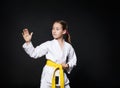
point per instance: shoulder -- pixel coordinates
(68, 45)
(48, 42)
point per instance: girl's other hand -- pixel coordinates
(65, 66)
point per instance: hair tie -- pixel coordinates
(67, 32)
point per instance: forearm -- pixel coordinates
(29, 49)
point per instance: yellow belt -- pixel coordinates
(56, 66)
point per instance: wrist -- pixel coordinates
(67, 65)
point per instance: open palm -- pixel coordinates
(26, 35)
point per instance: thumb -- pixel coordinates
(22, 34)
(31, 33)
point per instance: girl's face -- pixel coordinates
(57, 31)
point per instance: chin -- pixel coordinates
(55, 37)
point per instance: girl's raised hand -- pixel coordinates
(26, 35)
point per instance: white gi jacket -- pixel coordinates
(52, 50)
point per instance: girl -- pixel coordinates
(60, 55)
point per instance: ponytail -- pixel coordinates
(68, 38)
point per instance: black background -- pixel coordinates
(94, 29)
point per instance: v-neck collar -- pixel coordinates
(61, 48)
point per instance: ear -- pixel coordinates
(64, 31)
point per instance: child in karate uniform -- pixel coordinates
(59, 53)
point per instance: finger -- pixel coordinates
(25, 31)
(24, 35)
(31, 33)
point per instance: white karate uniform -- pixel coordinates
(52, 51)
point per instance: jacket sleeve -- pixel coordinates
(72, 59)
(37, 51)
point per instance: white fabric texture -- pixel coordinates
(52, 51)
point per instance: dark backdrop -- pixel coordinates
(93, 26)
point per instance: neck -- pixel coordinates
(60, 40)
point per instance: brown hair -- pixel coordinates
(65, 27)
